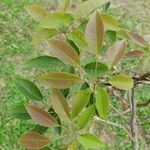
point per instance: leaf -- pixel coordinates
(90, 141)
(122, 33)
(82, 26)
(61, 80)
(39, 129)
(122, 82)
(19, 111)
(43, 34)
(41, 116)
(96, 69)
(115, 53)
(72, 146)
(78, 38)
(85, 117)
(137, 39)
(111, 35)
(106, 6)
(60, 105)
(134, 54)
(37, 12)
(56, 20)
(33, 140)
(43, 62)
(64, 52)
(28, 89)
(94, 33)
(102, 103)
(110, 23)
(86, 8)
(64, 5)
(80, 101)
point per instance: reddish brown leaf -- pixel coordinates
(134, 54)
(33, 140)
(41, 116)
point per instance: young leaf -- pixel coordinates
(33, 140)
(90, 141)
(41, 116)
(96, 69)
(102, 103)
(122, 82)
(43, 34)
(28, 88)
(78, 38)
(137, 39)
(19, 111)
(43, 62)
(134, 54)
(61, 80)
(86, 8)
(56, 20)
(94, 33)
(64, 52)
(60, 105)
(85, 117)
(36, 12)
(110, 23)
(80, 101)
(115, 53)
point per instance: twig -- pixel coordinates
(134, 128)
(114, 124)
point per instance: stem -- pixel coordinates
(134, 124)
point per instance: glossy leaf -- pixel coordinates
(43, 34)
(134, 54)
(78, 38)
(85, 117)
(37, 12)
(90, 141)
(64, 52)
(94, 33)
(110, 23)
(56, 20)
(86, 8)
(102, 103)
(96, 69)
(80, 100)
(60, 105)
(19, 111)
(28, 89)
(43, 62)
(115, 53)
(33, 140)
(41, 116)
(61, 80)
(139, 40)
(122, 82)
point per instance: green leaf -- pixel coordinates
(94, 33)
(85, 117)
(60, 105)
(111, 35)
(122, 33)
(33, 140)
(115, 53)
(86, 8)
(102, 103)
(43, 62)
(73, 146)
(41, 116)
(122, 82)
(37, 12)
(63, 51)
(43, 34)
(56, 20)
(39, 129)
(90, 141)
(61, 80)
(110, 23)
(106, 6)
(78, 38)
(19, 111)
(96, 69)
(28, 89)
(80, 101)
(83, 25)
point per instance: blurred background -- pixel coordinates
(16, 29)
